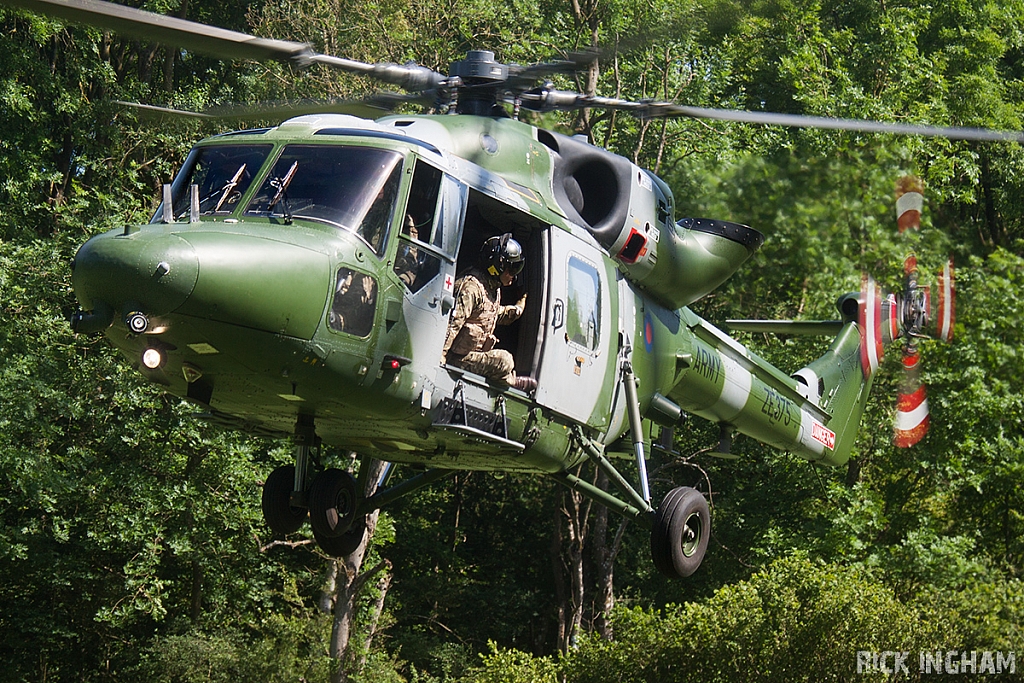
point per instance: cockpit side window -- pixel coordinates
(415, 265)
(422, 206)
(355, 301)
(351, 188)
(222, 172)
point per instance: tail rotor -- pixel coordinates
(912, 314)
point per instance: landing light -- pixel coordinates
(152, 358)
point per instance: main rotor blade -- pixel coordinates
(543, 99)
(219, 42)
(574, 61)
(159, 28)
(290, 109)
(801, 121)
(366, 109)
(152, 111)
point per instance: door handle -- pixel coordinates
(447, 302)
(558, 315)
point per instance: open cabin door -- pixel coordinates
(425, 260)
(575, 361)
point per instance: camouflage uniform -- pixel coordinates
(470, 340)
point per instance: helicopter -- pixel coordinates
(297, 282)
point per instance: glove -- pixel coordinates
(521, 304)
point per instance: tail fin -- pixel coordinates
(837, 384)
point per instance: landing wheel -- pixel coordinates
(332, 504)
(278, 512)
(682, 528)
(346, 543)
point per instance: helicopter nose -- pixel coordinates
(259, 283)
(122, 271)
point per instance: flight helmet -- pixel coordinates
(501, 253)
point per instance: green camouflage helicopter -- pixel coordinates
(298, 281)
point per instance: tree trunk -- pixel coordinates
(587, 15)
(604, 554)
(558, 575)
(170, 53)
(575, 512)
(348, 580)
(383, 584)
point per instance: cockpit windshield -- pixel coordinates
(223, 174)
(351, 188)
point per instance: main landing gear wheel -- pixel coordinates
(346, 543)
(332, 504)
(278, 512)
(682, 528)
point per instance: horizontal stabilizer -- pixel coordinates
(823, 328)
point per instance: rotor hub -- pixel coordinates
(482, 80)
(480, 68)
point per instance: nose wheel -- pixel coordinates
(682, 528)
(345, 543)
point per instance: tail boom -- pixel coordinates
(814, 414)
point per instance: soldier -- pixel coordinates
(408, 260)
(470, 340)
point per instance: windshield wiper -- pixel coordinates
(282, 187)
(230, 186)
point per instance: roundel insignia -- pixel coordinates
(648, 333)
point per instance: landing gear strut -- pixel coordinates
(284, 493)
(680, 527)
(333, 499)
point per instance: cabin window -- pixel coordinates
(351, 188)
(355, 301)
(223, 174)
(583, 310)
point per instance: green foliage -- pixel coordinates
(513, 666)
(478, 546)
(280, 652)
(796, 620)
(119, 512)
